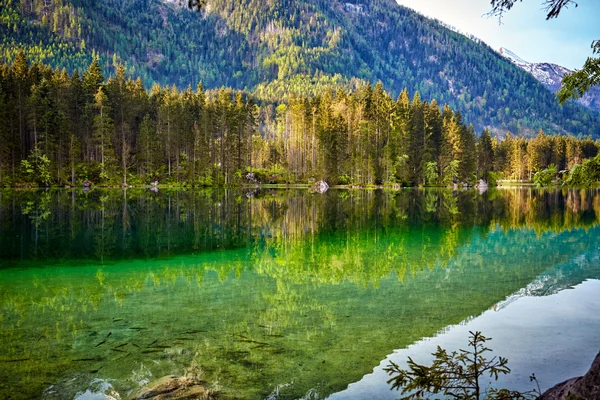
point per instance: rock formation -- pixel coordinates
(585, 387)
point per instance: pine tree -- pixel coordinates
(60, 92)
(146, 147)
(202, 135)
(20, 70)
(103, 132)
(400, 120)
(5, 138)
(92, 80)
(450, 148)
(76, 111)
(223, 125)
(417, 140)
(468, 159)
(485, 155)
(380, 110)
(122, 104)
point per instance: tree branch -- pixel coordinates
(552, 7)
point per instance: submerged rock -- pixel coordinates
(585, 387)
(171, 387)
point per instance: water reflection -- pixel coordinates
(282, 291)
(554, 336)
(115, 225)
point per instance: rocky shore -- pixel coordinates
(585, 387)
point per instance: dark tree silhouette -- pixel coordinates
(553, 7)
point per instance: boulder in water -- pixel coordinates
(482, 186)
(321, 186)
(251, 178)
(188, 387)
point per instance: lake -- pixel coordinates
(286, 294)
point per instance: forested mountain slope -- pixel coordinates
(276, 47)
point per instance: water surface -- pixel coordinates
(274, 293)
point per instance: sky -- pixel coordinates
(565, 40)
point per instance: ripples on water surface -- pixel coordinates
(284, 294)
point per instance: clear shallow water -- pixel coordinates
(281, 293)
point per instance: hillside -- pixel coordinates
(274, 48)
(551, 76)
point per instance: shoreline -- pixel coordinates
(501, 184)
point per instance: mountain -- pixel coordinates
(551, 76)
(276, 48)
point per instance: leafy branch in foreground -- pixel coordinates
(579, 82)
(455, 375)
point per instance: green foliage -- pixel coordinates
(584, 175)
(492, 178)
(578, 177)
(431, 173)
(344, 180)
(545, 177)
(451, 172)
(576, 84)
(36, 168)
(485, 154)
(592, 166)
(456, 375)
(276, 174)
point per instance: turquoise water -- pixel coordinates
(273, 294)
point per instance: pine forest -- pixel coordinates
(61, 129)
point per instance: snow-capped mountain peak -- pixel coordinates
(512, 57)
(551, 76)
